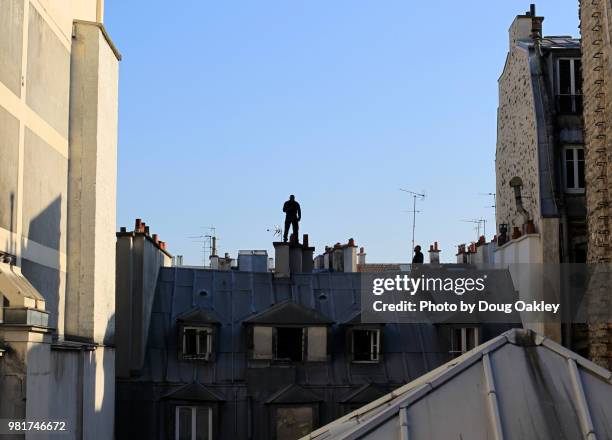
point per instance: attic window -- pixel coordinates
(193, 423)
(294, 422)
(196, 343)
(289, 344)
(464, 339)
(366, 345)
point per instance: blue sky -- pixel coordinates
(228, 107)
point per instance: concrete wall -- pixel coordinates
(92, 185)
(139, 261)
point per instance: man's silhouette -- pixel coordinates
(418, 255)
(293, 214)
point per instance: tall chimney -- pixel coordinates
(361, 256)
(434, 254)
(525, 27)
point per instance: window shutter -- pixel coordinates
(262, 342)
(317, 344)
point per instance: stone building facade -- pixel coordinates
(58, 141)
(540, 143)
(540, 182)
(595, 23)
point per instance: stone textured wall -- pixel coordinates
(516, 153)
(595, 16)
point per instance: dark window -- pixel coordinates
(569, 86)
(366, 345)
(197, 342)
(289, 344)
(574, 169)
(193, 423)
(463, 339)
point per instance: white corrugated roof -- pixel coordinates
(519, 385)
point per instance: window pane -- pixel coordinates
(189, 339)
(289, 343)
(569, 154)
(293, 423)
(565, 81)
(569, 174)
(580, 165)
(262, 342)
(362, 345)
(470, 338)
(184, 423)
(203, 342)
(202, 423)
(317, 343)
(580, 153)
(578, 76)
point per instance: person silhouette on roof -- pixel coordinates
(293, 215)
(418, 255)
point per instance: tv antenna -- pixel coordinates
(277, 231)
(494, 205)
(477, 222)
(208, 242)
(414, 211)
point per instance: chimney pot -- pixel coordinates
(123, 229)
(351, 242)
(361, 250)
(305, 240)
(155, 239)
(146, 229)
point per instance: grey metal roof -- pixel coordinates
(519, 385)
(198, 316)
(193, 392)
(288, 312)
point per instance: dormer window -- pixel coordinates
(464, 339)
(366, 345)
(288, 332)
(197, 343)
(196, 335)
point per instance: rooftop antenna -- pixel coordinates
(209, 243)
(494, 205)
(414, 211)
(477, 222)
(277, 231)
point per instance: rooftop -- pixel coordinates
(518, 385)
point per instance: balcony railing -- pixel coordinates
(569, 104)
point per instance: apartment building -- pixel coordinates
(58, 141)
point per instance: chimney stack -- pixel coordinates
(434, 254)
(361, 256)
(527, 27)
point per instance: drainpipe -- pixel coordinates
(516, 183)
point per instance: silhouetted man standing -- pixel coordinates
(293, 214)
(418, 255)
